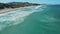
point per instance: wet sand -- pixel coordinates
(13, 9)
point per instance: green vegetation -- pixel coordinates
(16, 5)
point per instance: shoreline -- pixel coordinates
(14, 9)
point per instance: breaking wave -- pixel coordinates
(36, 20)
(15, 17)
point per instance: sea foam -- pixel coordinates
(14, 17)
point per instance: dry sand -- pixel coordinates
(13, 9)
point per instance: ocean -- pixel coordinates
(36, 20)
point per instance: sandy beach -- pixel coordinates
(13, 9)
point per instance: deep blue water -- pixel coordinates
(35, 20)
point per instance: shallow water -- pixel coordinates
(36, 20)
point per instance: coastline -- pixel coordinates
(13, 9)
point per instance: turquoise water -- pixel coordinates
(35, 20)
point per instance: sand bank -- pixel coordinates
(13, 9)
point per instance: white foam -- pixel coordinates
(13, 18)
(38, 7)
